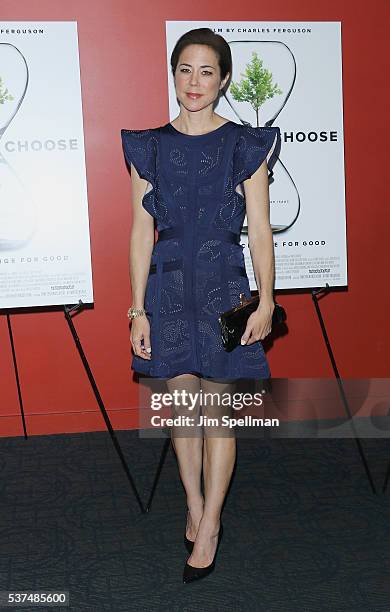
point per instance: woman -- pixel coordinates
(197, 177)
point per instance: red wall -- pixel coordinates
(122, 45)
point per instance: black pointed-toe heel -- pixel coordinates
(192, 573)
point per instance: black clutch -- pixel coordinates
(233, 322)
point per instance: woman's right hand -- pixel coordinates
(140, 330)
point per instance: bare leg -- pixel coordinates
(187, 443)
(219, 455)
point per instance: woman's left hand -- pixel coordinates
(259, 323)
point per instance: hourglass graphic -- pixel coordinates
(17, 215)
(257, 97)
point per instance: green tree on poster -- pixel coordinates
(256, 87)
(4, 95)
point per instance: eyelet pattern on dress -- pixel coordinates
(195, 189)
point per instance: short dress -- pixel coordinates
(197, 269)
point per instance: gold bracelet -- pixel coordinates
(132, 313)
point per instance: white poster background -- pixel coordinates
(307, 195)
(45, 254)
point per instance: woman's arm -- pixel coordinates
(260, 241)
(141, 247)
(141, 241)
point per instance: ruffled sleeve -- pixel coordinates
(253, 146)
(140, 149)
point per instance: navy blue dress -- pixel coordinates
(197, 268)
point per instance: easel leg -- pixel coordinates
(16, 375)
(314, 293)
(159, 468)
(99, 400)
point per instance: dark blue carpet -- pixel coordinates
(303, 531)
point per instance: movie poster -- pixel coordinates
(289, 74)
(44, 226)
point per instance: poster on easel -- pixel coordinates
(289, 75)
(45, 256)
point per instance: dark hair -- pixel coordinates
(205, 36)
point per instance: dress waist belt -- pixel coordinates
(177, 264)
(218, 233)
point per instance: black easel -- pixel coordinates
(158, 472)
(67, 310)
(315, 293)
(16, 375)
